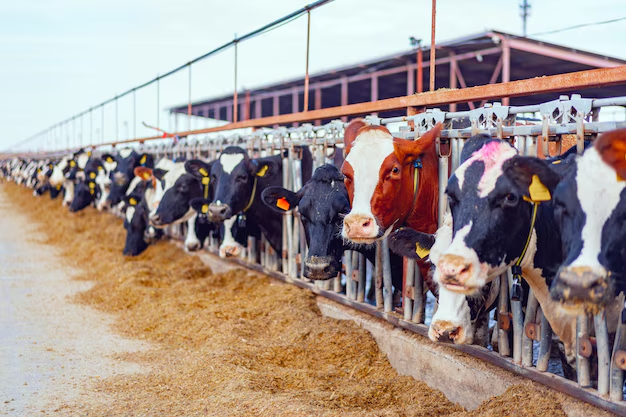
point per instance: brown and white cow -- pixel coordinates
(380, 177)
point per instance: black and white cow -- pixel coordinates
(490, 200)
(123, 173)
(238, 182)
(172, 204)
(590, 211)
(87, 190)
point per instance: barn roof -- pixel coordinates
(479, 59)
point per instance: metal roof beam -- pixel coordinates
(558, 53)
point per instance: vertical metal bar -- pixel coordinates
(356, 271)
(518, 324)
(379, 275)
(529, 319)
(362, 284)
(117, 136)
(443, 181)
(506, 66)
(409, 282)
(420, 68)
(410, 80)
(361, 277)
(545, 345)
(318, 102)
(134, 114)
(433, 45)
(387, 285)
(306, 74)
(419, 306)
(344, 95)
(347, 256)
(235, 94)
(582, 362)
(453, 77)
(604, 357)
(252, 256)
(189, 100)
(617, 374)
(503, 311)
(158, 104)
(455, 155)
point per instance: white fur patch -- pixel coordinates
(130, 212)
(230, 161)
(125, 153)
(191, 239)
(452, 308)
(493, 155)
(366, 157)
(599, 194)
(176, 171)
(229, 244)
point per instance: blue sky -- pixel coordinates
(59, 57)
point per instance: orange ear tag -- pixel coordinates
(282, 203)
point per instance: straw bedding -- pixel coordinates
(235, 343)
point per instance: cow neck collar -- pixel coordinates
(516, 288)
(417, 166)
(252, 195)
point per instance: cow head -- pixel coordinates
(489, 196)
(135, 223)
(234, 179)
(121, 176)
(174, 207)
(85, 193)
(379, 174)
(459, 317)
(322, 203)
(590, 210)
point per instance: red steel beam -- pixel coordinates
(539, 85)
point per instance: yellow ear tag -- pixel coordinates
(132, 201)
(92, 191)
(38, 169)
(203, 172)
(89, 153)
(58, 187)
(109, 159)
(205, 180)
(143, 160)
(282, 203)
(538, 192)
(421, 252)
(619, 179)
(72, 163)
(205, 208)
(558, 161)
(100, 168)
(92, 175)
(262, 171)
(92, 185)
(146, 175)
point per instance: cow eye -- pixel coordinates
(510, 199)
(395, 170)
(242, 178)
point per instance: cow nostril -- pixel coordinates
(367, 223)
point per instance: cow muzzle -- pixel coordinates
(360, 228)
(457, 274)
(231, 250)
(319, 268)
(219, 212)
(156, 221)
(447, 331)
(582, 286)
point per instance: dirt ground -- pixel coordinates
(223, 344)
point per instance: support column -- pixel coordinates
(318, 101)
(410, 81)
(294, 104)
(344, 95)
(453, 78)
(275, 106)
(374, 89)
(506, 66)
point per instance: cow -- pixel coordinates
(590, 212)
(126, 161)
(103, 180)
(494, 195)
(172, 204)
(238, 182)
(87, 190)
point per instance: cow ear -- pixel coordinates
(146, 160)
(200, 205)
(280, 199)
(351, 132)
(533, 177)
(612, 148)
(261, 167)
(198, 168)
(411, 243)
(143, 173)
(159, 173)
(408, 151)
